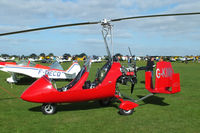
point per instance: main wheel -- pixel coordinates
(105, 102)
(48, 108)
(126, 112)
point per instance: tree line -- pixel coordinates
(33, 55)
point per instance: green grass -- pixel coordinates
(161, 113)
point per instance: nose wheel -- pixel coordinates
(48, 108)
(126, 107)
(126, 112)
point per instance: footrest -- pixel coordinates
(127, 105)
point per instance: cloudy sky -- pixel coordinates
(151, 36)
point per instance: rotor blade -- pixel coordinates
(88, 23)
(48, 27)
(159, 15)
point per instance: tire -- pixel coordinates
(105, 102)
(48, 108)
(125, 112)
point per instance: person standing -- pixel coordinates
(150, 66)
(161, 59)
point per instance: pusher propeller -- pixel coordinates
(133, 79)
(132, 87)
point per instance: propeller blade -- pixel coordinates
(49, 27)
(132, 87)
(130, 52)
(153, 16)
(134, 63)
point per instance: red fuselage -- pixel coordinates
(42, 90)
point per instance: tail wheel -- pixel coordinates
(126, 112)
(48, 108)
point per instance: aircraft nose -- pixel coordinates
(39, 91)
(33, 94)
(26, 95)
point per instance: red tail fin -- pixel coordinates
(165, 79)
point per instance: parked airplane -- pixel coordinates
(61, 60)
(28, 68)
(98, 59)
(7, 59)
(33, 59)
(172, 59)
(2, 59)
(183, 59)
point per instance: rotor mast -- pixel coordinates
(107, 34)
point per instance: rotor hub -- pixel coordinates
(105, 22)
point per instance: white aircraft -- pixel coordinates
(172, 59)
(98, 59)
(181, 59)
(28, 68)
(190, 58)
(2, 59)
(33, 59)
(60, 60)
(138, 58)
(7, 59)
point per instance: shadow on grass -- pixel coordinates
(154, 100)
(142, 82)
(28, 80)
(25, 81)
(75, 106)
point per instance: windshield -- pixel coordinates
(25, 63)
(88, 64)
(78, 77)
(101, 74)
(22, 62)
(56, 65)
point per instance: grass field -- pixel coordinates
(160, 113)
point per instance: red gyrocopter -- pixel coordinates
(103, 88)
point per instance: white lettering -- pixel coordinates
(158, 73)
(58, 74)
(165, 73)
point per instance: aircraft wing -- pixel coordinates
(35, 72)
(1, 67)
(32, 72)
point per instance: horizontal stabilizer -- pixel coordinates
(70, 76)
(176, 83)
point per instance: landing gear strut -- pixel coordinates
(105, 102)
